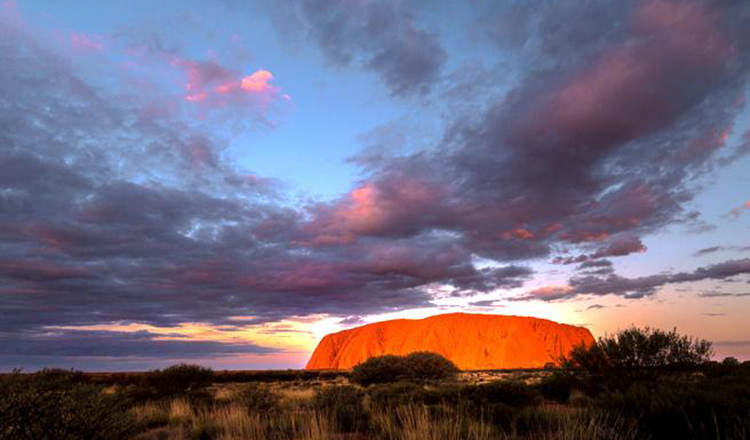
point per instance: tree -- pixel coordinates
(638, 354)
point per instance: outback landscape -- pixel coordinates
(637, 384)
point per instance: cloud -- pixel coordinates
(590, 154)
(737, 343)
(485, 303)
(634, 288)
(714, 249)
(352, 320)
(617, 247)
(718, 294)
(378, 35)
(82, 343)
(220, 91)
(738, 211)
(117, 207)
(621, 247)
(110, 349)
(595, 264)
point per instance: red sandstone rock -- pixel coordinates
(471, 341)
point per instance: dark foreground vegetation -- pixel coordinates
(637, 384)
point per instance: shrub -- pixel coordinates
(416, 367)
(258, 398)
(344, 403)
(55, 405)
(177, 379)
(635, 354)
(380, 369)
(426, 366)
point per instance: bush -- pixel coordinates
(177, 379)
(416, 367)
(344, 403)
(682, 407)
(56, 405)
(380, 369)
(426, 366)
(258, 398)
(635, 354)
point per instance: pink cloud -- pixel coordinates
(617, 99)
(393, 206)
(738, 211)
(520, 233)
(210, 85)
(548, 293)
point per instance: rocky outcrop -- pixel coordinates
(471, 341)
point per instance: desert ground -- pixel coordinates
(189, 402)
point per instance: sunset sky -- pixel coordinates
(225, 182)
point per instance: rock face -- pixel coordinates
(471, 341)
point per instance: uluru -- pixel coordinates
(471, 341)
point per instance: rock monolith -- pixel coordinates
(471, 341)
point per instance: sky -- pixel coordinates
(226, 182)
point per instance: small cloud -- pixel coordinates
(738, 211)
(713, 249)
(548, 293)
(485, 303)
(740, 343)
(718, 294)
(352, 320)
(708, 250)
(596, 307)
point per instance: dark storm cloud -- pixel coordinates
(379, 35)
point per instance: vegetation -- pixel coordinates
(416, 367)
(58, 405)
(638, 384)
(344, 405)
(178, 379)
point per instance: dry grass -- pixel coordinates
(230, 422)
(414, 422)
(179, 420)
